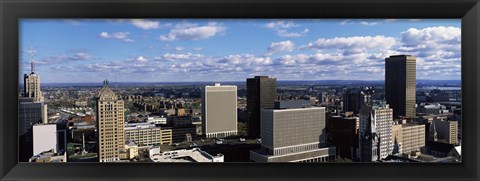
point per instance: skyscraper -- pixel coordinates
(31, 110)
(400, 79)
(32, 85)
(110, 124)
(375, 132)
(219, 111)
(261, 94)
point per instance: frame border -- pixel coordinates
(12, 11)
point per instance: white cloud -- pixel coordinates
(179, 56)
(355, 44)
(145, 24)
(280, 47)
(179, 48)
(122, 36)
(283, 29)
(141, 59)
(285, 33)
(280, 25)
(187, 31)
(366, 23)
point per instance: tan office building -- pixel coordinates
(148, 135)
(110, 124)
(447, 131)
(219, 111)
(32, 85)
(408, 137)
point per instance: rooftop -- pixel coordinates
(193, 155)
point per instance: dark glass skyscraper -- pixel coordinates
(353, 100)
(400, 79)
(261, 94)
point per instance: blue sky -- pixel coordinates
(173, 50)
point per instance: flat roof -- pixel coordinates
(193, 155)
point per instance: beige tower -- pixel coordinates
(32, 85)
(110, 124)
(219, 111)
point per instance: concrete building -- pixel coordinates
(447, 131)
(192, 155)
(49, 156)
(407, 138)
(400, 82)
(44, 138)
(130, 151)
(145, 134)
(293, 135)
(219, 111)
(375, 132)
(110, 124)
(261, 94)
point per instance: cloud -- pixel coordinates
(280, 47)
(364, 22)
(283, 29)
(281, 25)
(355, 44)
(179, 56)
(145, 24)
(122, 36)
(285, 33)
(141, 59)
(187, 31)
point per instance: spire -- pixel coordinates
(105, 83)
(32, 66)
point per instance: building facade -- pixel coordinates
(400, 84)
(343, 134)
(293, 135)
(353, 100)
(261, 94)
(148, 135)
(110, 124)
(44, 138)
(375, 132)
(219, 111)
(408, 137)
(447, 131)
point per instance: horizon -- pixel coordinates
(223, 50)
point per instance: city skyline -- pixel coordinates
(169, 50)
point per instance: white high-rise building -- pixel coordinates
(44, 138)
(375, 132)
(219, 111)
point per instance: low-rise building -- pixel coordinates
(146, 134)
(49, 156)
(192, 155)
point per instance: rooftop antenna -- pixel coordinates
(31, 51)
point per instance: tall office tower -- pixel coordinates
(293, 135)
(261, 94)
(353, 100)
(44, 138)
(375, 132)
(219, 111)
(31, 110)
(32, 85)
(400, 78)
(110, 124)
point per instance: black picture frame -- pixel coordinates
(466, 10)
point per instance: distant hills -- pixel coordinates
(420, 82)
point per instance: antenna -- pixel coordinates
(32, 52)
